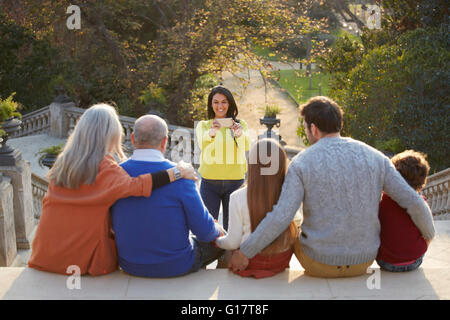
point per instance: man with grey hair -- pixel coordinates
(149, 132)
(153, 234)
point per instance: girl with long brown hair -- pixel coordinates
(249, 205)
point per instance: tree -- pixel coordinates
(123, 47)
(393, 85)
(28, 65)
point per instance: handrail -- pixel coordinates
(35, 122)
(438, 194)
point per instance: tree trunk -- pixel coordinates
(308, 58)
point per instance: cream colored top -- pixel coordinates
(239, 227)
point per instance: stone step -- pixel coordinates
(430, 281)
(423, 283)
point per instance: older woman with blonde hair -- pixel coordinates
(85, 181)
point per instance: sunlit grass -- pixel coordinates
(297, 84)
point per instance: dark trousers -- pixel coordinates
(215, 192)
(205, 253)
(393, 268)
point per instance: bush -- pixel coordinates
(272, 110)
(8, 108)
(27, 65)
(398, 90)
(423, 112)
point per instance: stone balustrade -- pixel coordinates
(39, 187)
(177, 149)
(438, 194)
(73, 114)
(59, 119)
(35, 122)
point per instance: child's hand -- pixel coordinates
(427, 241)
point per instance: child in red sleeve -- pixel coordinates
(402, 246)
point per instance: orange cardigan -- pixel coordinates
(74, 228)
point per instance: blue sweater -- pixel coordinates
(152, 234)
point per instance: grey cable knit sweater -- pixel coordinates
(339, 180)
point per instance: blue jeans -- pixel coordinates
(214, 192)
(393, 268)
(205, 253)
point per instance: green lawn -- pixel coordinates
(268, 53)
(296, 82)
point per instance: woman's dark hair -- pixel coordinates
(324, 113)
(232, 107)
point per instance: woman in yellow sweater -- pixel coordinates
(223, 140)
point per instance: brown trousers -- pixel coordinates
(316, 269)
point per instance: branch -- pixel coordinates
(163, 14)
(96, 20)
(342, 7)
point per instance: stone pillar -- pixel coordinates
(59, 123)
(8, 249)
(20, 176)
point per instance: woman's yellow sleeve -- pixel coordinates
(202, 133)
(244, 139)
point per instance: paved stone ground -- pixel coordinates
(430, 281)
(30, 145)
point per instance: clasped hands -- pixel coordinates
(238, 261)
(235, 127)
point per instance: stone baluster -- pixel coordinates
(20, 175)
(36, 124)
(39, 188)
(128, 132)
(437, 193)
(447, 205)
(439, 199)
(8, 248)
(435, 198)
(72, 120)
(30, 126)
(41, 122)
(128, 147)
(25, 127)
(426, 192)
(71, 123)
(444, 199)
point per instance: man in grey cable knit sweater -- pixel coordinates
(339, 181)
